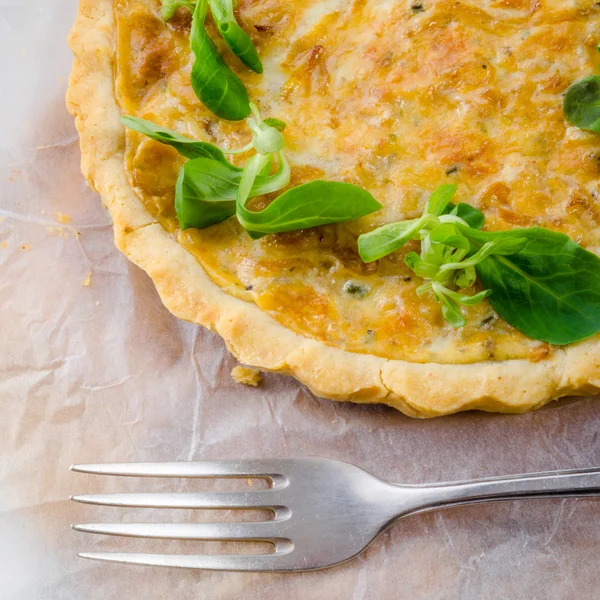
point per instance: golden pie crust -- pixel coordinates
(280, 304)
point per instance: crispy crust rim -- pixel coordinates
(418, 390)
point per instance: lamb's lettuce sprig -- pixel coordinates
(539, 281)
(447, 260)
(210, 189)
(215, 84)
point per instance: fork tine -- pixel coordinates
(241, 562)
(206, 500)
(215, 468)
(264, 531)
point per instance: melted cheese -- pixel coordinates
(397, 100)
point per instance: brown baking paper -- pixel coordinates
(94, 369)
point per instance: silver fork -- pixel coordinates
(325, 511)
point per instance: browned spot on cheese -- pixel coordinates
(302, 307)
(495, 195)
(583, 204)
(310, 75)
(152, 51)
(540, 352)
(182, 21)
(530, 5)
(155, 167)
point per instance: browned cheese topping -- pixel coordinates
(428, 93)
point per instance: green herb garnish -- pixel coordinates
(308, 205)
(183, 145)
(237, 39)
(582, 104)
(170, 7)
(210, 189)
(358, 290)
(539, 281)
(549, 289)
(280, 125)
(447, 261)
(215, 84)
(471, 215)
(205, 193)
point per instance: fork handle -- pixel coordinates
(558, 484)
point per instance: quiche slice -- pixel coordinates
(397, 98)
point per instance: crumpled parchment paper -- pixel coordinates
(93, 368)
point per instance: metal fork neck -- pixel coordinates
(565, 484)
